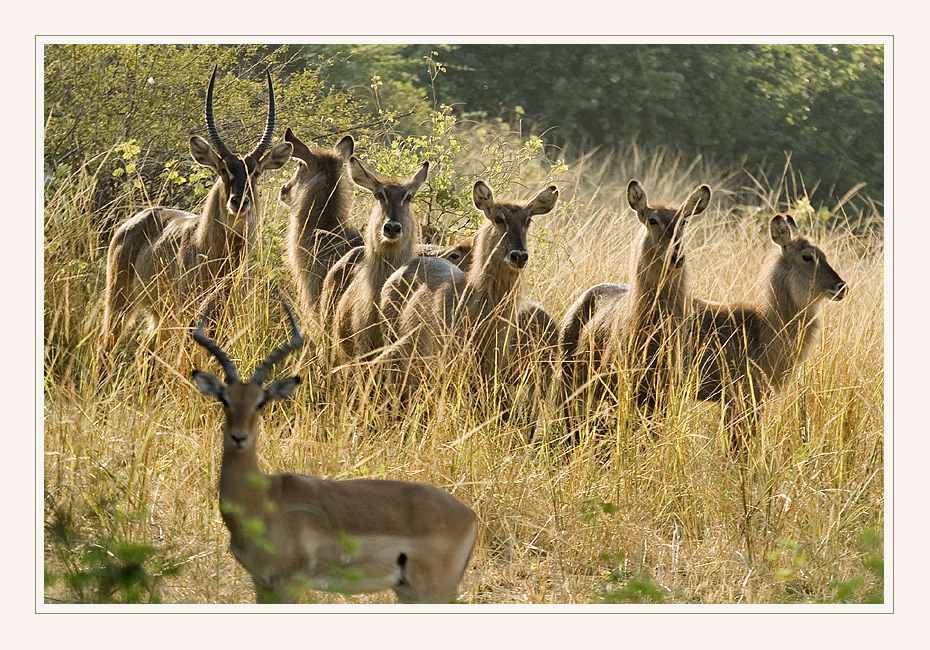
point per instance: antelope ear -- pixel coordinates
(301, 151)
(276, 158)
(417, 181)
(362, 176)
(783, 230)
(208, 384)
(203, 153)
(483, 197)
(281, 388)
(345, 148)
(636, 195)
(696, 203)
(544, 201)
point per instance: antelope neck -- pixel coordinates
(216, 219)
(237, 485)
(489, 280)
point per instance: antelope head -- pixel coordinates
(239, 174)
(243, 400)
(664, 225)
(395, 220)
(460, 253)
(510, 221)
(311, 164)
(802, 268)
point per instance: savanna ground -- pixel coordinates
(653, 513)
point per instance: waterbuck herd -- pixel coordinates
(386, 303)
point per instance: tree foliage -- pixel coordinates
(127, 111)
(821, 104)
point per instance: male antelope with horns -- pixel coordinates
(294, 532)
(168, 263)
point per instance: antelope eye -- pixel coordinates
(454, 256)
(807, 257)
(653, 221)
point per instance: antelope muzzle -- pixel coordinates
(517, 258)
(392, 231)
(839, 291)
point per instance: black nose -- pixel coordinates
(392, 230)
(519, 258)
(839, 292)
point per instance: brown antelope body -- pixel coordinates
(742, 353)
(535, 326)
(319, 197)
(167, 263)
(534, 337)
(636, 329)
(430, 304)
(294, 532)
(352, 287)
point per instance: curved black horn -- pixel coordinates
(261, 373)
(211, 346)
(212, 134)
(265, 142)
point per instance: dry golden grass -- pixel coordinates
(647, 512)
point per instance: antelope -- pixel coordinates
(430, 299)
(162, 261)
(293, 532)
(319, 197)
(459, 253)
(352, 287)
(635, 328)
(742, 353)
(534, 339)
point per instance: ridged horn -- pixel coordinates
(261, 373)
(218, 145)
(265, 142)
(213, 348)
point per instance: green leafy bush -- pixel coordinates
(104, 566)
